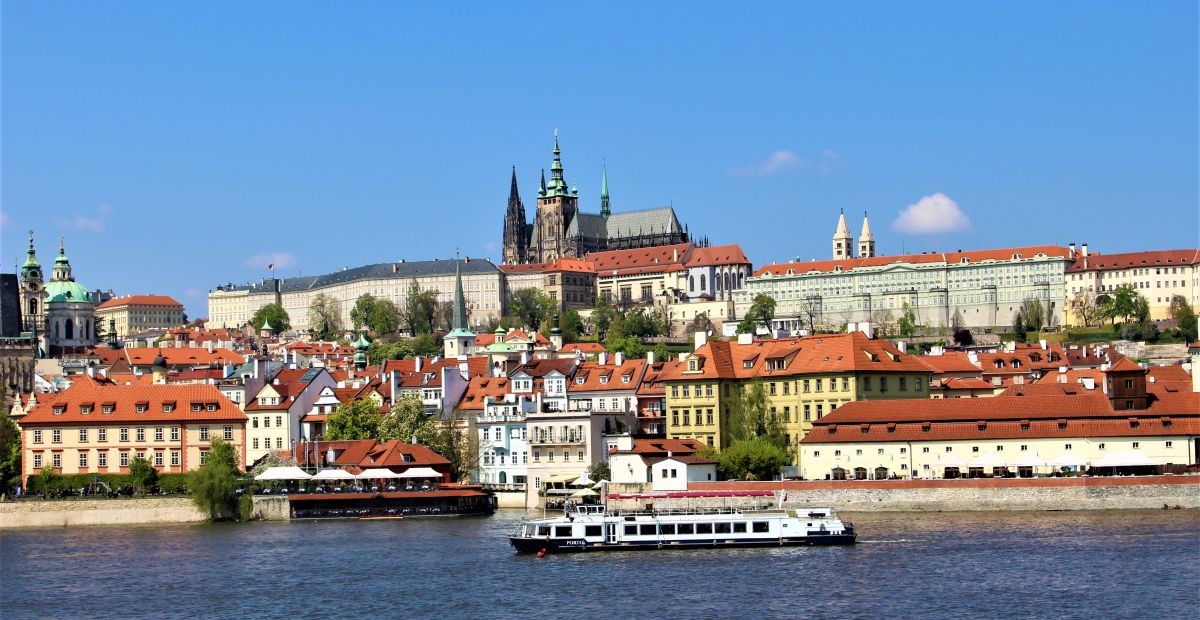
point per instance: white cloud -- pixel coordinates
(775, 163)
(92, 224)
(931, 215)
(281, 260)
(830, 161)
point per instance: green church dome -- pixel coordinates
(66, 291)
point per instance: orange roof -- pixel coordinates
(660, 447)
(950, 361)
(574, 265)
(184, 356)
(835, 353)
(959, 383)
(1126, 365)
(139, 300)
(594, 377)
(975, 256)
(125, 399)
(481, 388)
(369, 453)
(663, 258)
(524, 268)
(717, 255)
(1163, 379)
(587, 348)
(1130, 260)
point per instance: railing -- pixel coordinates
(504, 486)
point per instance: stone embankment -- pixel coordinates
(62, 513)
(986, 494)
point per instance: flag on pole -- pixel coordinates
(271, 266)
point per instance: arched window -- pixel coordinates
(691, 283)
(503, 477)
(703, 282)
(33, 306)
(726, 280)
(70, 330)
(717, 282)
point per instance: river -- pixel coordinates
(1123, 564)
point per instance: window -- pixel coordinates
(687, 528)
(879, 451)
(174, 433)
(708, 390)
(168, 407)
(1067, 447)
(820, 383)
(203, 434)
(278, 442)
(203, 456)
(674, 391)
(124, 460)
(56, 460)
(580, 455)
(37, 436)
(591, 530)
(631, 529)
(974, 448)
(845, 384)
(56, 436)
(903, 384)
(254, 443)
(1024, 448)
(1136, 445)
(37, 460)
(102, 459)
(266, 421)
(761, 527)
(83, 435)
(837, 452)
(141, 434)
(1170, 444)
(83, 460)
(704, 528)
(807, 413)
(709, 417)
(902, 451)
(949, 449)
(158, 458)
(858, 452)
(227, 433)
(279, 421)
(806, 385)
(925, 450)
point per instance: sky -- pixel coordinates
(178, 146)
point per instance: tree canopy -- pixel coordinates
(760, 313)
(757, 458)
(907, 324)
(213, 487)
(10, 448)
(324, 316)
(1185, 318)
(357, 419)
(571, 325)
(273, 314)
(408, 420)
(378, 315)
(531, 307)
(142, 474)
(1120, 304)
(602, 317)
(420, 308)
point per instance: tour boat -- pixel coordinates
(592, 528)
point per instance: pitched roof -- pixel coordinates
(607, 377)
(950, 361)
(948, 258)
(587, 348)
(139, 300)
(403, 270)
(481, 388)
(660, 447)
(1130, 260)
(182, 356)
(643, 221)
(717, 255)
(573, 265)
(543, 367)
(124, 400)
(659, 259)
(368, 453)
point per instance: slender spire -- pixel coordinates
(460, 303)
(557, 185)
(542, 185)
(843, 242)
(842, 229)
(605, 209)
(513, 194)
(866, 229)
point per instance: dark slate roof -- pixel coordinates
(589, 225)
(398, 271)
(646, 221)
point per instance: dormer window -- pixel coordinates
(59, 409)
(211, 406)
(106, 409)
(604, 380)
(197, 407)
(691, 364)
(168, 407)
(141, 408)
(85, 409)
(578, 380)
(748, 364)
(625, 378)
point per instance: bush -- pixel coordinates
(52, 484)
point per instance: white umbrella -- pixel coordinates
(1130, 458)
(283, 473)
(1028, 459)
(333, 474)
(584, 493)
(950, 460)
(582, 481)
(988, 461)
(377, 473)
(1068, 459)
(419, 472)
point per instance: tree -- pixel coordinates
(882, 318)
(443, 315)
(142, 474)
(425, 345)
(419, 308)
(531, 306)
(408, 420)
(699, 323)
(213, 487)
(811, 307)
(631, 347)
(10, 450)
(360, 314)
(324, 316)
(599, 471)
(571, 325)
(1031, 317)
(398, 350)
(749, 416)
(602, 317)
(357, 419)
(385, 317)
(908, 321)
(273, 314)
(1084, 307)
(757, 458)
(641, 324)
(1185, 318)
(1122, 304)
(661, 352)
(272, 459)
(760, 313)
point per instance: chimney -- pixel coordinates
(650, 358)
(745, 339)
(675, 254)
(903, 346)
(1019, 380)
(620, 358)
(1071, 250)
(210, 346)
(1042, 342)
(1062, 377)
(701, 339)
(463, 368)
(525, 357)
(418, 362)
(1084, 252)
(602, 359)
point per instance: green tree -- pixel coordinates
(408, 420)
(760, 313)
(630, 346)
(638, 322)
(750, 415)
(142, 474)
(273, 314)
(908, 322)
(602, 317)
(357, 419)
(360, 314)
(324, 317)
(213, 487)
(10, 449)
(531, 306)
(599, 471)
(571, 325)
(425, 345)
(1031, 317)
(419, 309)
(757, 458)
(384, 318)
(1120, 304)
(398, 350)
(662, 353)
(1185, 318)
(47, 481)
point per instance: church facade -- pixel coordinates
(60, 313)
(561, 230)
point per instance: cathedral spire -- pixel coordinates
(516, 230)
(542, 185)
(513, 194)
(558, 184)
(866, 241)
(843, 242)
(32, 270)
(605, 209)
(62, 265)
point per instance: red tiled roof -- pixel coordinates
(542, 367)
(969, 383)
(481, 388)
(573, 265)
(951, 361)
(139, 300)
(975, 256)
(587, 348)
(659, 259)
(124, 400)
(1162, 379)
(1126, 365)
(524, 268)
(182, 356)
(598, 378)
(1130, 260)
(717, 255)
(660, 447)
(368, 453)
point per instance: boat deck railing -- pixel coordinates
(724, 510)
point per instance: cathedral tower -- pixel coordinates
(605, 208)
(556, 207)
(33, 292)
(866, 241)
(843, 243)
(516, 230)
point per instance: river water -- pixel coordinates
(1120, 564)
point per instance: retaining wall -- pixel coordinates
(950, 495)
(61, 513)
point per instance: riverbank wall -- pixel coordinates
(984, 494)
(68, 512)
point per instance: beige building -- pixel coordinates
(235, 305)
(1157, 275)
(92, 427)
(644, 276)
(136, 313)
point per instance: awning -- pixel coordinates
(283, 473)
(1028, 459)
(581, 481)
(1131, 458)
(333, 474)
(419, 472)
(585, 493)
(560, 478)
(950, 460)
(377, 473)
(988, 461)
(1068, 459)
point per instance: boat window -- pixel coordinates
(667, 529)
(630, 529)
(739, 528)
(591, 530)
(761, 527)
(722, 528)
(647, 529)
(562, 531)
(543, 530)
(686, 528)
(704, 528)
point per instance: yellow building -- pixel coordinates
(137, 313)
(1158, 276)
(94, 427)
(803, 379)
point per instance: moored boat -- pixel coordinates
(592, 528)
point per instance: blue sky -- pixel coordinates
(178, 146)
